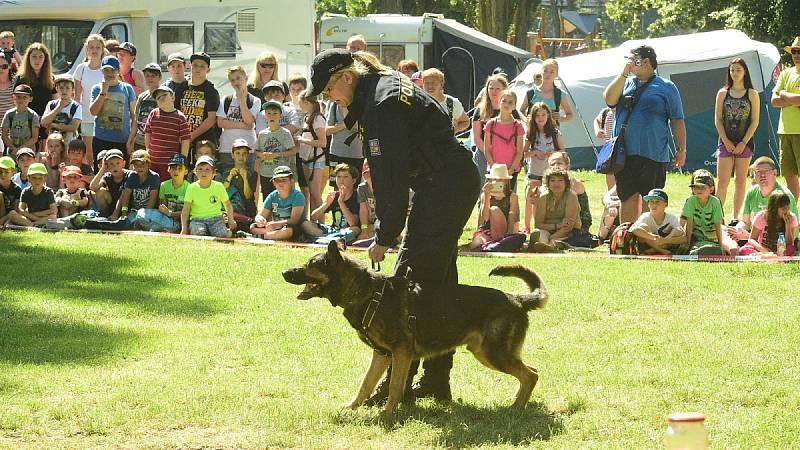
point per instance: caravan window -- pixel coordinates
(116, 31)
(221, 40)
(389, 54)
(175, 37)
(64, 38)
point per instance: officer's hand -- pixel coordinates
(377, 252)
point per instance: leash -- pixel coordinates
(369, 314)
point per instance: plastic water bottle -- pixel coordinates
(686, 431)
(781, 244)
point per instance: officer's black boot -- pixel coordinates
(435, 381)
(382, 391)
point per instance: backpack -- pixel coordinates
(450, 105)
(13, 113)
(73, 108)
(229, 99)
(556, 97)
(511, 140)
(623, 242)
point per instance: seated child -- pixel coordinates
(366, 207)
(557, 214)
(202, 206)
(37, 203)
(702, 213)
(71, 198)
(140, 190)
(171, 194)
(205, 148)
(76, 152)
(241, 182)
(543, 138)
(657, 231)
(561, 160)
(54, 156)
(498, 213)
(284, 209)
(274, 147)
(25, 157)
(343, 206)
(10, 191)
(770, 224)
(107, 183)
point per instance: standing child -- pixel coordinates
(9, 191)
(543, 139)
(63, 114)
(37, 202)
(146, 102)
(20, 127)
(284, 209)
(140, 190)
(166, 132)
(498, 213)
(297, 84)
(76, 155)
(176, 66)
(703, 215)
(504, 136)
(275, 146)
(774, 229)
(236, 117)
(343, 206)
(311, 153)
(87, 74)
(72, 197)
(241, 183)
(54, 156)
(657, 231)
(171, 195)
(202, 207)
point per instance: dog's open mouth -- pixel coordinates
(310, 290)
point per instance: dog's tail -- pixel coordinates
(537, 298)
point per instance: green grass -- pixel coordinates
(143, 342)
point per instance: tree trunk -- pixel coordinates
(522, 21)
(387, 6)
(494, 17)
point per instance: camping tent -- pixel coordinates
(696, 63)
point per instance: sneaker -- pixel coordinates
(78, 221)
(242, 234)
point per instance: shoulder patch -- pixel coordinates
(374, 147)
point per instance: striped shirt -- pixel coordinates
(167, 130)
(6, 100)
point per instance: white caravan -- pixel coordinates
(230, 31)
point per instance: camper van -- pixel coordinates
(465, 55)
(230, 31)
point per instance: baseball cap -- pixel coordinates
(110, 61)
(64, 77)
(702, 177)
(365, 167)
(282, 172)
(645, 51)
(324, 65)
(272, 104)
(6, 162)
(23, 89)
(176, 57)
(25, 151)
(37, 169)
(205, 159)
(271, 85)
(178, 160)
(162, 88)
(71, 171)
(113, 153)
(128, 47)
(656, 194)
(140, 155)
(152, 67)
(202, 55)
(240, 143)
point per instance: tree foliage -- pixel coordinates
(775, 21)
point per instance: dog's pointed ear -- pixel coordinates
(333, 250)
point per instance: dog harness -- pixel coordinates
(369, 314)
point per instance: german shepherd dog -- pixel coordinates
(403, 320)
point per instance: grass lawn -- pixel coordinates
(144, 342)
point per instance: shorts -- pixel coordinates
(87, 129)
(536, 168)
(333, 160)
(212, 226)
(790, 154)
(639, 175)
(723, 152)
(297, 231)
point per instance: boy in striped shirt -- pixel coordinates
(166, 132)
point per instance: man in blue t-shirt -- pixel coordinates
(112, 103)
(659, 110)
(284, 209)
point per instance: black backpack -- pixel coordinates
(450, 106)
(229, 99)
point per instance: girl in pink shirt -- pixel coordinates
(771, 222)
(504, 137)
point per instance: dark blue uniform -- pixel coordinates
(408, 141)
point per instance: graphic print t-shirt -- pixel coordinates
(113, 122)
(140, 191)
(195, 102)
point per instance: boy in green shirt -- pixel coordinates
(702, 213)
(202, 207)
(171, 195)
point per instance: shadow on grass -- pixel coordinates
(463, 425)
(28, 334)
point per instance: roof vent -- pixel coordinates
(246, 22)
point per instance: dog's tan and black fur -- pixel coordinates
(407, 322)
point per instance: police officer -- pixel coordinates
(408, 140)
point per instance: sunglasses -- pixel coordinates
(266, 65)
(4, 66)
(796, 51)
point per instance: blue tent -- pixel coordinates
(696, 63)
